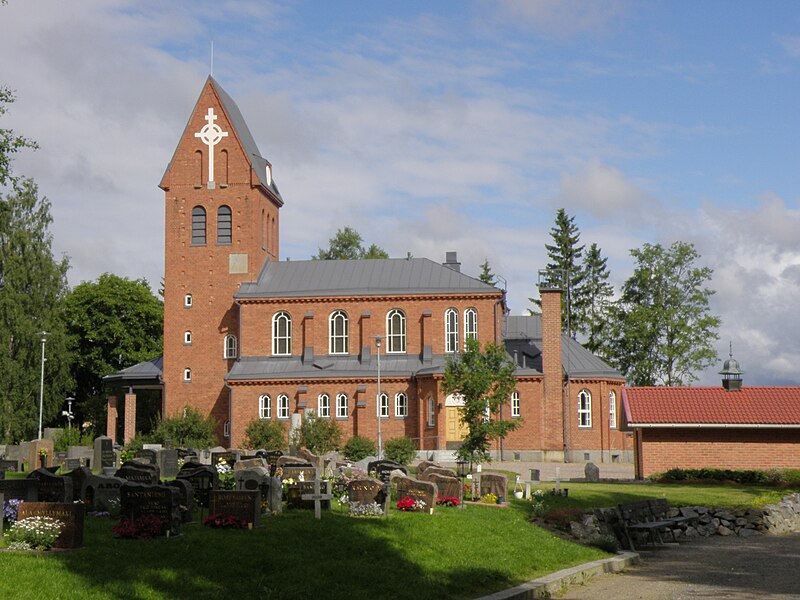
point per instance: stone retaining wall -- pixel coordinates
(783, 517)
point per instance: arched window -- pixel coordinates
(383, 406)
(230, 346)
(324, 406)
(395, 331)
(187, 338)
(187, 375)
(282, 334)
(341, 406)
(584, 409)
(400, 405)
(224, 225)
(283, 406)
(451, 330)
(612, 410)
(265, 407)
(198, 226)
(338, 333)
(515, 408)
(470, 324)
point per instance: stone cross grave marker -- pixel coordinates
(317, 496)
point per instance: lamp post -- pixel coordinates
(68, 413)
(44, 335)
(378, 340)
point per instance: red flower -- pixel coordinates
(447, 501)
(406, 504)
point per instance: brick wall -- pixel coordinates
(662, 449)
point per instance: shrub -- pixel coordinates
(39, 533)
(560, 518)
(189, 430)
(772, 477)
(318, 435)
(72, 437)
(358, 447)
(265, 433)
(400, 449)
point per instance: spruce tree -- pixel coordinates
(598, 294)
(486, 275)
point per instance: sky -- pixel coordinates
(441, 126)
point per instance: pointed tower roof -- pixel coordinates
(260, 165)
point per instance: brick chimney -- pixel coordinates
(553, 417)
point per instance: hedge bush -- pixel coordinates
(318, 435)
(266, 434)
(776, 477)
(358, 447)
(400, 449)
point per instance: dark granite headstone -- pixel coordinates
(417, 490)
(59, 458)
(136, 473)
(70, 514)
(9, 465)
(79, 477)
(167, 461)
(383, 469)
(494, 483)
(244, 505)
(70, 464)
(146, 456)
(52, 488)
(104, 455)
(365, 491)
(187, 498)
(102, 493)
(20, 489)
(183, 453)
(202, 478)
(137, 500)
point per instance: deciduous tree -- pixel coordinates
(348, 244)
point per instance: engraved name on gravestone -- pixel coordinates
(70, 514)
(424, 491)
(244, 505)
(102, 493)
(202, 478)
(104, 455)
(167, 461)
(137, 500)
(494, 483)
(137, 473)
(20, 489)
(365, 491)
(52, 488)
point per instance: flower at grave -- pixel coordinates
(287, 482)
(35, 533)
(537, 496)
(447, 501)
(11, 509)
(356, 509)
(43, 452)
(227, 479)
(279, 472)
(405, 504)
(220, 521)
(489, 498)
(143, 528)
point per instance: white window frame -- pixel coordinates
(451, 330)
(283, 406)
(585, 409)
(222, 217)
(400, 404)
(470, 325)
(264, 407)
(187, 375)
(281, 344)
(187, 301)
(612, 409)
(395, 340)
(338, 341)
(226, 429)
(187, 338)
(431, 412)
(341, 406)
(383, 405)
(515, 405)
(324, 406)
(230, 347)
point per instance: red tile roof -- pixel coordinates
(762, 406)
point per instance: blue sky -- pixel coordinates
(436, 126)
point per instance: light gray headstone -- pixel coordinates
(592, 472)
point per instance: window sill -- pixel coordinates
(193, 245)
(342, 418)
(224, 243)
(584, 426)
(401, 416)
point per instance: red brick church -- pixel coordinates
(247, 336)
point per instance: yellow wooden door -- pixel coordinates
(455, 430)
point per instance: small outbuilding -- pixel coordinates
(727, 427)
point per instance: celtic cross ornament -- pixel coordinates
(211, 134)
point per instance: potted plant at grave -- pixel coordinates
(43, 456)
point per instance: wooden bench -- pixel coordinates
(660, 509)
(639, 516)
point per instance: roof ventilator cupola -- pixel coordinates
(731, 374)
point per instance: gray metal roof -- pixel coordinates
(147, 371)
(323, 367)
(417, 276)
(257, 162)
(523, 334)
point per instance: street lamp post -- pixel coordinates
(44, 335)
(378, 340)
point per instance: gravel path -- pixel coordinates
(765, 567)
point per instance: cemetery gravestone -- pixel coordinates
(104, 455)
(9, 465)
(187, 498)
(167, 461)
(70, 514)
(83, 453)
(310, 457)
(592, 472)
(286, 459)
(425, 491)
(494, 483)
(78, 477)
(26, 490)
(448, 487)
(423, 466)
(146, 456)
(102, 493)
(384, 468)
(244, 505)
(59, 458)
(52, 488)
(70, 464)
(436, 471)
(319, 498)
(230, 458)
(202, 478)
(299, 473)
(365, 491)
(161, 501)
(136, 473)
(249, 463)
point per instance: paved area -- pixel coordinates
(565, 471)
(764, 567)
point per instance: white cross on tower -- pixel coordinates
(211, 134)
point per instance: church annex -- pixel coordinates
(248, 336)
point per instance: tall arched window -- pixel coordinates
(283, 406)
(395, 331)
(470, 324)
(431, 412)
(264, 407)
(230, 346)
(198, 226)
(584, 409)
(451, 330)
(324, 406)
(383, 406)
(224, 225)
(338, 333)
(341, 406)
(612, 409)
(282, 334)
(400, 405)
(515, 407)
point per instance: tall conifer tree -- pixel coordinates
(598, 294)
